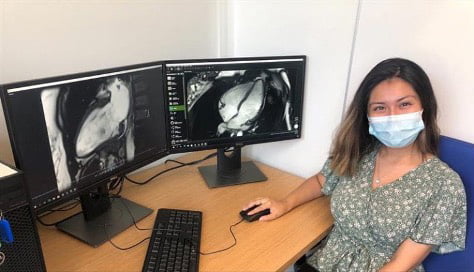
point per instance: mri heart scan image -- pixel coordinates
(235, 103)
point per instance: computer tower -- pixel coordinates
(24, 253)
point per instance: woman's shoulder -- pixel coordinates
(443, 175)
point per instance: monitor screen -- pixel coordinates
(74, 132)
(232, 102)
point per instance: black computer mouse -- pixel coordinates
(253, 217)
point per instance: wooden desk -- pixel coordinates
(261, 246)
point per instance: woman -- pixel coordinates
(392, 199)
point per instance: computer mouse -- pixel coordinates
(253, 217)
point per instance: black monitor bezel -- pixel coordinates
(234, 142)
(91, 183)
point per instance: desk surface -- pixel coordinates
(261, 246)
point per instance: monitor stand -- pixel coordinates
(230, 170)
(102, 217)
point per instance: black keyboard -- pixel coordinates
(175, 241)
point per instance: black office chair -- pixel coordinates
(302, 266)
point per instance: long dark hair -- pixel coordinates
(352, 140)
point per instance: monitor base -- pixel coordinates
(103, 227)
(230, 171)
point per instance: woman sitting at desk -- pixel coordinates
(392, 199)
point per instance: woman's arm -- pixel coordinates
(407, 257)
(308, 190)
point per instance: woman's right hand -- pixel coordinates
(307, 191)
(277, 207)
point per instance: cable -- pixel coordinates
(147, 238)
(134, 223)
(193, 162)
(67, 206)
(153, 177)
(169, 169)
(46, 224)
(129, 247)
(118, 183)
(70, 206)
(133, 218)
(105, 227)
(153, 229)
(115, 182)
(229, 247)
(119, 247)
(64, 208)
(175, 161)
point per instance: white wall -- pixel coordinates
(41, 38)
(439, 36)
(322, 30)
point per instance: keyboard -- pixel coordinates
(175, 241)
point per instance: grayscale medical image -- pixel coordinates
(238, 102)
(91, 125)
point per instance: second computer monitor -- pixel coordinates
(219, 103)
(224, 102)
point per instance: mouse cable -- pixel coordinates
(153, 229)
(229, 247)
(169, 169)
(134, 223)
(109, 239)
(131, 215)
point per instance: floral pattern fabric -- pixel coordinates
(426, 205)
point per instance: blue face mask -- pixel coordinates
(397, 130)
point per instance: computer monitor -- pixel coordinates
(72, 134)
(232, 102)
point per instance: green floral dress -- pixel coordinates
(426, 205)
